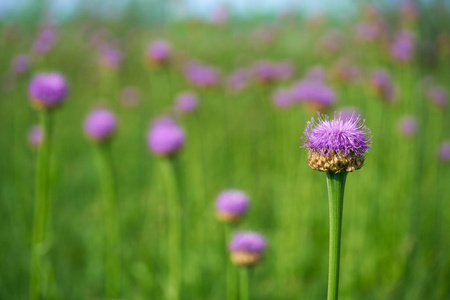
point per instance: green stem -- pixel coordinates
(231, 280)
(243, 284)
(336, 185)
(169, 172)
(39, 243)
(111, 221)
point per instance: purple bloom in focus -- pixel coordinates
(47, 90)
(130, 96)
(110, 57)
(100, 124)
(438, 95)
(35, 136)
(383, 85)
(159, 52)
(336, 145)
(408, 125)
(283, 98)
(314, 93)
(444, 151)
(247, 248)
(165, 137)
(231, 205)
(201, 75)
(403, 46)
(21, 64)
(186, 102)
(239, 79)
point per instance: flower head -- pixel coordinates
(231, 205)
(408, 125)
(336, 145)
(35, 136)
(444, 151)
(247, 248)
(130, 96)
(47, 90)
(438, 95)
(316, 94)
(382, 83)
(159, 52)
(165, 137)
(186, 102)
(100, 124)
(21, 64)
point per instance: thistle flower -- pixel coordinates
(159, 52)
(316, 94)
(201, 75)
(130, 96)
(408, 125)
(165, 137)
(110, 57)
(444, 151)
(47, 90)
(438, 95)
(100, 125)
(231, 205)
(264, 71)
(45, 40)
(383, 85)
(20, 64)
(403, 46)
(283, 98)
(186, 102)
(247, 248)
(336, 145)
(35, 136)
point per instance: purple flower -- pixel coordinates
(348, 112)
(186, 102)
(35, 136)
(283, 98)
(165, 137)
(338, 144)
(438, 95)
(316, 73)
(368, 32)
(247, 248)
(100, 124)
(239, 79)
(130, 95)
(444, 151)
(346, 71)
(264, 71)
(21, 64)
(408, 125)
(45, 40)
(382, 83)
(110, 57)
(283, 70)
(231, 205)
(314, 93)
(403, 46)
(201, 75)
(159, 52)
(47, 90)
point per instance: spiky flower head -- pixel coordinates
(336, 145)
(47, 90)
(247, 248)
(100, 125)
(231, 205)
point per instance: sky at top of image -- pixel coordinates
(186, 8)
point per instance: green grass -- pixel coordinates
(394, 239)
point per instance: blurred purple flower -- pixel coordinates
(21, 64)
(444, 151)
(402, 49)
(383, 85)
(159, 52)
(100, 124)
(315, 93)
(201, 75)
(368, 31)
(239, 79)
(220, 15)
(110, 57)
(186, 102)
(35, 136)
(264, 71)
(283, 70)
(247, 248)
(408, 125)
(316, 73)
(231, 205)
(130, 96)
(438, 95)
(45, 40)
(47, 90)
(165, 137)
(283, 98)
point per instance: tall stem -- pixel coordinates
(39, 246)
(111, 221)
(169, 172)
(231, 279)
(243, 284)
(336, 185)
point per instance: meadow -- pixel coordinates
(396, 219)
